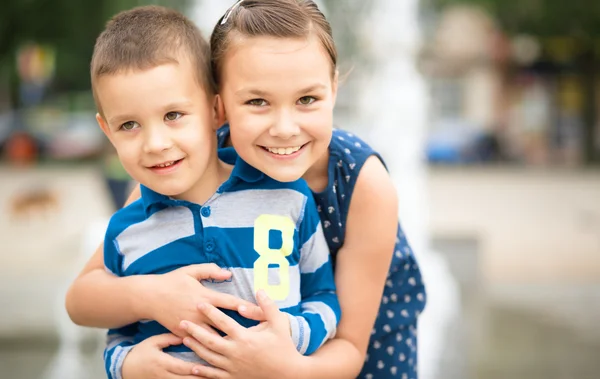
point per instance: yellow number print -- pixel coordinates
(262, 225)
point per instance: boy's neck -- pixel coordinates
(216, 174)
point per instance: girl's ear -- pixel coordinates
(220, 117)
(334, 85)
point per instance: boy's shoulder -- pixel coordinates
(123, 218)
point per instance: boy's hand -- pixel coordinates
(174, 296)
(147, 360)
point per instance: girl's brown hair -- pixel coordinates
(274, 18)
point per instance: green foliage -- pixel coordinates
(544, 18)
(70, 27)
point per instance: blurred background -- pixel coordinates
(486, 111)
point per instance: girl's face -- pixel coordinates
(278, 96)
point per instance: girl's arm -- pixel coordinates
(361, 270)
(99, 299)
(362, 266)
(95, 296)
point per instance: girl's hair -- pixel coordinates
(273, 18)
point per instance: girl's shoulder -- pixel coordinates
(349, 151)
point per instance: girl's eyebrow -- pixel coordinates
(260, 93)
(250, 91)
(313, 87)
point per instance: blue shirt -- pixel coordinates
(266, 232)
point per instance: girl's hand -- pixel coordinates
(147, 360)
(261, 352)
(174, 296)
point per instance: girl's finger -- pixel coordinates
(206, 372)
(225, 301)
(177, 366)
(271, 311)
(221, 321)
(252, 312)
(212, 341)
(208, 355)
(209, 329)
(163, 341)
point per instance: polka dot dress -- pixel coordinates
(392, 351)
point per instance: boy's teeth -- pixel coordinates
(283, 150)
(165, 164)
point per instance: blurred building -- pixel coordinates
(509, 97)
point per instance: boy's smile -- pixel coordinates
(162, 124)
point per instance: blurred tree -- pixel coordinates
(70, 27)
(543, 18)
(570, 33)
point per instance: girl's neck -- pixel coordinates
(317, 175)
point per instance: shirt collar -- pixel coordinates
(241, 170)
(151, 198)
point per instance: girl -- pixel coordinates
(274, 63)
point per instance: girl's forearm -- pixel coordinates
(337, 359)
(99, 299)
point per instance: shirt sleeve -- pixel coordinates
(119, 341)
(320, 309)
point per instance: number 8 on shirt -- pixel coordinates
(262, 226)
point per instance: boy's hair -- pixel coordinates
(145, 37)
(274, 18)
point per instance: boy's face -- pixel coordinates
(278, 96)
(162, 124)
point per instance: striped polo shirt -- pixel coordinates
(267, 233)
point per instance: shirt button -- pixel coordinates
(209, 246)
(205, 211)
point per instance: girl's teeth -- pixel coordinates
(165, 164)
(283, 150)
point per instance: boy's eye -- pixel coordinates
(306, 100)
(172, 116)
(257, 102)
(130, 125)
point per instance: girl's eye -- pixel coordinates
(257, 102)
(172, 116)
(130, 125)
(306, 100)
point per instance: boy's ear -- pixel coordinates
(103, 125)
(220, 116)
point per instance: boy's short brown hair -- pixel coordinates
(145, 37)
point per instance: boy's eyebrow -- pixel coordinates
(120, 118)
(177, 105)
(168, 107)
(261, 93)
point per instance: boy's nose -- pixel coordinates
(157, 140)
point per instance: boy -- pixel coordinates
(152, 86)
